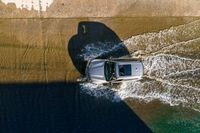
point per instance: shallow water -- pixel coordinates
(171, 69)
(37, 51)
(170, 77)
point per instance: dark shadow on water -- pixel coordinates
(95, 33)
(61, 108)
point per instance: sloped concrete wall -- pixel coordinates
(98, 8)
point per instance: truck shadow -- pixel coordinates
(94, 40)
(61, 107)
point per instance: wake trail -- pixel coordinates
(162, 65)
(152, 42)
(94, 50)
(173, 94)
(186, 46)
(159, 83)
(171, 62)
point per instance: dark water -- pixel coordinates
(60, 107)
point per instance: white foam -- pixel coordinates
(39, 5)
(147, 91)
(166, 92)
(169, 78)
(94, 50)
(152, 42)
(100, 91)
(162, 65)
(185, 46)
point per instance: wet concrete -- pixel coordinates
(37, 50)
(99, 8)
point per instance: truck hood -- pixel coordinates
(96, 70)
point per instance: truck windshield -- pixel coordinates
(109, 70)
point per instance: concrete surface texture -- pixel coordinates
(97, 8)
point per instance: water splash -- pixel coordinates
(152, 42)
(163, 90)
(100, 91)
(163, 65)
(171, 68)
(94, 50)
